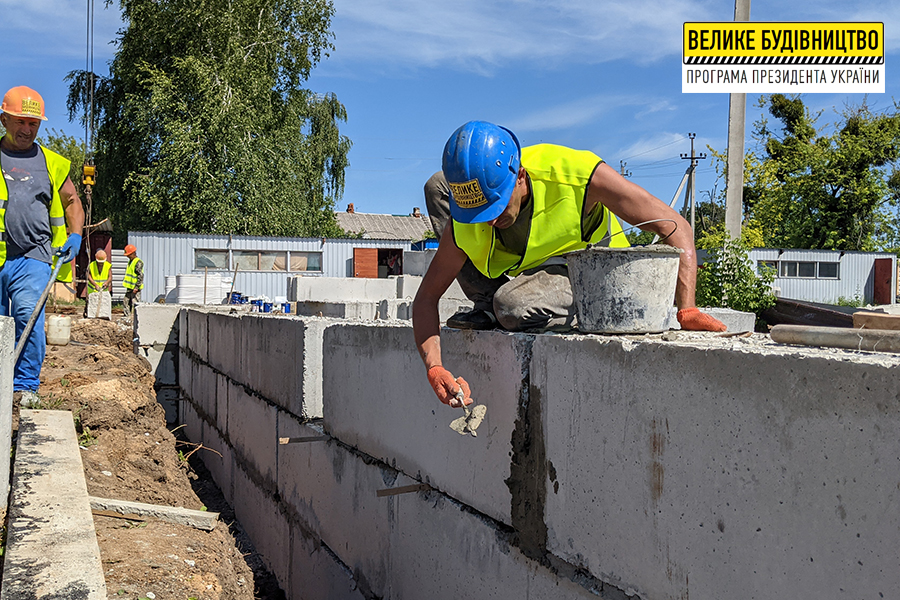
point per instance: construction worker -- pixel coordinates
(99, 278)
(134, 280)
(512, 213)
(99, 282)
(41, 220)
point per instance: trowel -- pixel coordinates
(469, 423)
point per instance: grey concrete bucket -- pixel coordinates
(623, 290)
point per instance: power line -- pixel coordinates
(652, 149)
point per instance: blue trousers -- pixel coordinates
(22, 280)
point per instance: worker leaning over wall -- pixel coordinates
(41, 221)
(511, 213)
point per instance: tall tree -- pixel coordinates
(203, 125)
(834, 189)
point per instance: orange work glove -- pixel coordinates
(692, 319)
(446, 387)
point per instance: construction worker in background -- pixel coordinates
(513, 212)
(99, 282)
(99, 274)
(41, 220)
(134, 280)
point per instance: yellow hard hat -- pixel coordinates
(23, 101)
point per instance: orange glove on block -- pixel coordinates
(692, 319)
(447, 388)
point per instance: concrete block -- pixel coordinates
(333, 490)
(226, 344)
(665, 461)
(282, 360)
(168, 399)
(449, 307)
(342, 289)
(253, 432)
(51, 549)
(183, 330)
(156, 324)
(442, 551)
(193, 423)
(185, 373)
(360, 311)
(198, 333)
(7, 350)
(378, 399)
(99, 305)
(735, 320)
(316, 573)
(163, 363)
(223, 389)
(265, 522)
(203, 389)
(219, 459)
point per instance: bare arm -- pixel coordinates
(72, 206)
(443, 269)
(634, 204)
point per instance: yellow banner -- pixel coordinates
(852, 42)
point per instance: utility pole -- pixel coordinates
(691, 191)
(734, 181)
(622, 171)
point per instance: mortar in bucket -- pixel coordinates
(623, 290)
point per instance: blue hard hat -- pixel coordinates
(481, 164)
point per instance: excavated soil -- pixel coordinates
(130, 454)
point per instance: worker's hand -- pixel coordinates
(70, 248)
(691, 319)
(447, 388)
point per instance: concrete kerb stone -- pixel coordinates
(183, 516)
(379, 400)
(332, 489)
(51, 549)
(751, 463)
(7, 350)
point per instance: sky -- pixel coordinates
(600, 75)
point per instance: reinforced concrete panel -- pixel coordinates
(252, 430)
(441, 550)
(226, 343)
(377, 399)
(7, 350)
(265, 522)
(754, 471)
(282, 360)
(333, 490)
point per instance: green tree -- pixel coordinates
(832, 188)
(203, 126)
(727, 279)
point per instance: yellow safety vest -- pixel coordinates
(559, 183)
(58, 170)
(100, 277)
(130, 281)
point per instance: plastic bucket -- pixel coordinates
(623, 290)
(59, 330)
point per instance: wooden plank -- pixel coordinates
(873, 320)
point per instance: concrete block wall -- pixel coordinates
(613, 466)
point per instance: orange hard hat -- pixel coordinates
(129, 249)
(23, 102)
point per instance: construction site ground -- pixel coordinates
(129, 453)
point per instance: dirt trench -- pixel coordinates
(130, 454)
